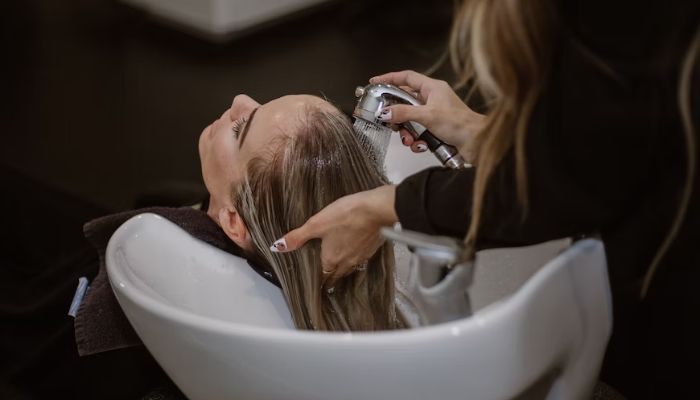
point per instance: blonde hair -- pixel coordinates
(684, 92)
(283, 187)
(502, 48)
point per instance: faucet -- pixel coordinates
(440, 274)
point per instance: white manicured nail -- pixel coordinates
(421, 147)
(385, 115)
(280, 245)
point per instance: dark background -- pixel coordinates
(104, 104)
(101, 110)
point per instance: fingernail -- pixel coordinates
(403, 140)
(385, 115)
(421, 147)
(279, 246)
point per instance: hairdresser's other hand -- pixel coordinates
(348, 229)
(444, 113)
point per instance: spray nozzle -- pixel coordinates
(374, 97)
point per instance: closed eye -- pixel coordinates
(237, 125)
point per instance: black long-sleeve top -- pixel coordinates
(605, 154)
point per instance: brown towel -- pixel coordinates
(100, 324)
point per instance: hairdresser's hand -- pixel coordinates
(348, 229)
(444, 113)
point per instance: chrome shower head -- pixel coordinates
(374, 97)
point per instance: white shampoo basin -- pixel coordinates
(220, 331)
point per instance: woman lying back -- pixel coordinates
(268, 169)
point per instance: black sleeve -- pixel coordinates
(436, 201)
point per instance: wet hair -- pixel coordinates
(283, 186)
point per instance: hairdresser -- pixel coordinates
(588, 131)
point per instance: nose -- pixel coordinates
(242, 104)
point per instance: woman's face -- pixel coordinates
(245, 128)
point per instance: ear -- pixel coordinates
(234, 227)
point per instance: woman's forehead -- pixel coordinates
(297, 103)
(285, 115)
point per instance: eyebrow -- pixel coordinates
(246, 127)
